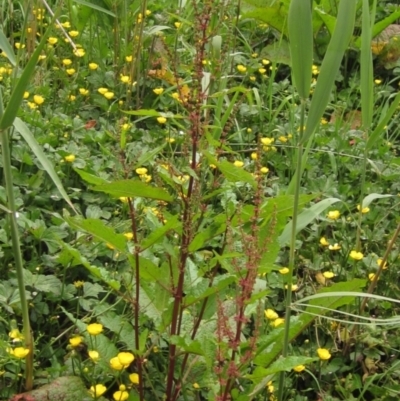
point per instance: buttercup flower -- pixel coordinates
(161, 120)
(328, 274)
(71, 98)
(52, 40)
(102, 91)
(20, 352)
(295, 287)
(270, 314)
(379, 262)
(323, 241)
(94, 328)
(15, 334)
(178, 25)
(26, 95)
(79, 283)
(70, 71)
(125, 358)
(262, 70)
(128, 58)
(83, 91)
(75, 341)
(364, 209)
(125, 79)
(141, 171)
(69, 158)
(158, 91)
(93, 66)
(38, 99)
(73, 34)
(323, 354)
(299, 368)
(94, 355)
(264, 170)
(238, 163)
(121, 395)
(134, 378)
(278, 322)
(67, 62)
(371, 276)
(356, 255)
(79, 52)
(334, 247)
(265, 61)
(97, 390)
(66, 24)
(284, 270)
(116, 364)
(333, 215)
(196, 385)
(128, 236)
(267, 141)
(241, 68)
(109, 95)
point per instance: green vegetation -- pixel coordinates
(199, 200)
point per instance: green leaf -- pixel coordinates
(99, 230)
(191, 346)
(17, 94)
(90, 178)
(95, 7)
(301, 45)
(25, 132)
(371, 197)
(152, 113)
(148, 155)
(172, 224)
(134, 189)
(236, 174)
(306, 217)
(7, 49)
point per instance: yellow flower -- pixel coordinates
(102, 91)
(323, 241)
(238, 163)
(93, 66)
(38, 99)
(378, 81)
(70, 71)
(379, 262)
(26, 95)
(371, 276)
(270, 314)
(284, 270)
(241, 68)
(20, 352)
(299, 368)
(67, 62)
(267, 141)
(252, 78)
(125, 79)
(19, 46)
(121, 395)
(158, 91)
(32, 105)
(265, 61)
(15, 334)
(196, 385)
(334, 247)
(262, 70)
(323, 354)
(264, 170)
(356, 255)
(109, 95)
(83, 91)
(79, 52)
(364, 209)
(69, 158)
(134, 378)
(278, 322)
(333, 214)
(94, 328)
(73, 34)
(178, 24)
(79, 283)
(94, 355)
(75, 341)
(42, 57)
(66, 24)
(71, 98)
(123, 199)
(128, 236)
(125, 358)
(116, 364)
(141, 171)
(161, 120)
(97, 390)
(148, 12)
(125, 126)
(254, 156)
(328, 274)
(128, 58)
(294, 287)
(52, 40)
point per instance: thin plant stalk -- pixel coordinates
(292, 250)
(12, 217)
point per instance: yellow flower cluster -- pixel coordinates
(122, 360)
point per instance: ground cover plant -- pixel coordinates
(199, 200)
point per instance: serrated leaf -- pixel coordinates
(90, 178)
(172, 224)
(134, 189)
(236, 174)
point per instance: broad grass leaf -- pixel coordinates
(371, 197)
(94, 7)
(134, 189)
(7, 49)
(306, 217)
(26, 133)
